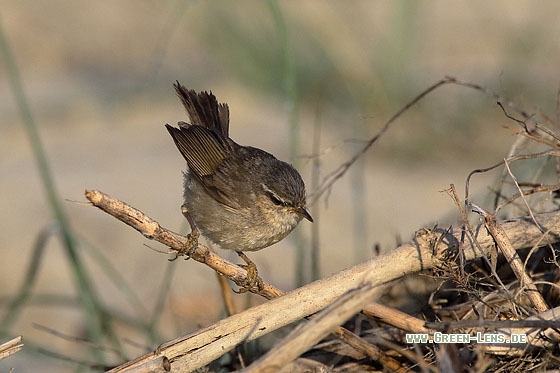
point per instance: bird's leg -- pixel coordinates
(192, 242)
(253, 279)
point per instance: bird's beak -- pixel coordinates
(304, 213)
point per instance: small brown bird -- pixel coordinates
(241, 198)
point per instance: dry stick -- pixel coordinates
(519, 157)
(11, 347)
(503, 242)
(372, 351)
(415, 355)
(396, 318)
(225, 290)
(152, 230)
(543, 335)
(533, 190)
(540, 331)
(531, 133)
(200, 348)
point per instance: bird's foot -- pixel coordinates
(253, 282)
(192, 238)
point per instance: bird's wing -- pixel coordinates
(206, 153)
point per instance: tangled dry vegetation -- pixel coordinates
(497, 278)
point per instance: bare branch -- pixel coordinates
(332, 177)
(152, 230)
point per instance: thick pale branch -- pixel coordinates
(427, 250)
(11, 347)
(310, 333)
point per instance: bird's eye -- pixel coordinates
(276, 200)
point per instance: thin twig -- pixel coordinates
(506, 163)
(505, 245)
(553, 153)
(333, 176)
(152, 230)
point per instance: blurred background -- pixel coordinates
(307, 81)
